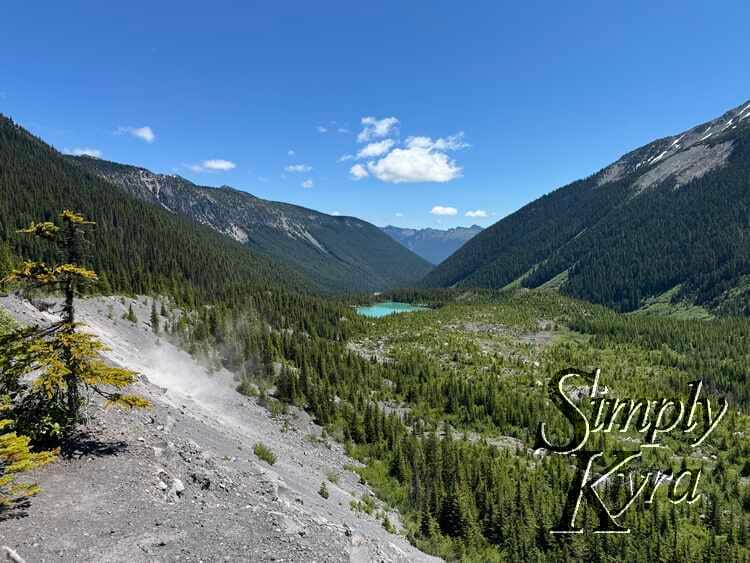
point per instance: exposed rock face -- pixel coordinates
(686, 156)
(686, 165)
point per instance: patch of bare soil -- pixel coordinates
(541, 337)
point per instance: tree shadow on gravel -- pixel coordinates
(15, 510)
(85, 443)
(82, 443)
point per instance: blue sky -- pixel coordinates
(472, 106)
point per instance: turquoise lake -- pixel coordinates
(390, 308)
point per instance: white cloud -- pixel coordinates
(477, 213)
(144, 133)
(290, 152)
(84, 151)
(415, 164)
(212, 165)
(358, 172)
(336, 213)
(218, 164)
(343, 130)
(417, 159)
(298, 168)
(322, 129)
(452, 143)
(445, 211)
(308, 183)
(399, 214)
(376, 128)
(376, 149)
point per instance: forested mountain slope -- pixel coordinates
(335, 253)
(434, 245)
(672, 215)
(136, 246)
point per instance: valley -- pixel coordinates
(434, 411)
(478, 370)
(282, 422)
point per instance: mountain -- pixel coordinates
(670, 219)
(434, 245)
(136, 246)
(335, 253)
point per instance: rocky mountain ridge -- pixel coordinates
(336, 253)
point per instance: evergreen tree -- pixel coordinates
(154, 318)
(130, 315)
(64, 359)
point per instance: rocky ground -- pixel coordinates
(180, 481)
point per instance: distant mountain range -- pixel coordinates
(434, 245)
(334, 253)
(668, 220)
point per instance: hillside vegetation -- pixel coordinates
(443, 408)
(674, 214)
(137, 247)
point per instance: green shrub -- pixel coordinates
(264, 453)
(276, 408)
(247, 388)
(366, 505)
(130, 315)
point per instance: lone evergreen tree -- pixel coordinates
(63, 359)
(154, 318)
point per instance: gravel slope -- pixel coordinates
(180, 482)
